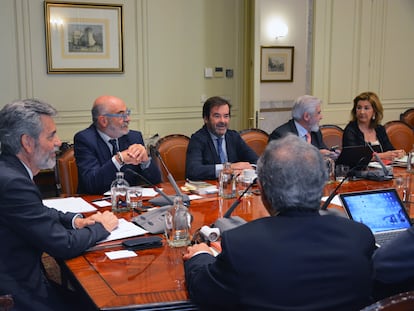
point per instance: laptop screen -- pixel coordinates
(380, 210)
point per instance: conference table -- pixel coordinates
(154, 280)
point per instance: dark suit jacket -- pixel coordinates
(394, 265)
(354, 137)
(289, 127)
(202, 154)
(94, 160)
(27, 229)
(294, 261)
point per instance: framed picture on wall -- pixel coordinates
(276, 63)
(84, 38)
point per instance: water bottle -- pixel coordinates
(227, 182)
(178, 224)
(119, 189)
(410, 159)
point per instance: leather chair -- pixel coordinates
(332, 135)
(408, 117)
(6, 302)
(173, 151)
(400, 134)
(399, 302)
(68, 173)
(256, 139)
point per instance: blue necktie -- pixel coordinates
(220, 150)
(114, 146)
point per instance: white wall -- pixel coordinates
(363, 46)
(276, 97)
(167, 45)
(352, 46)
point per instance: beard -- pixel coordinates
(45, 159)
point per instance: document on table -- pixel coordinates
(125, 229)
(71, 204)
(336, 200)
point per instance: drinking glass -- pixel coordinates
(134, 198)
(341, 172)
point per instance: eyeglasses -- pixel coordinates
(124, 115)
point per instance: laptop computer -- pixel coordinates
(355, 156)
(381, 210)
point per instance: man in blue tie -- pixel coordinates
(215, 144)
(109, 146)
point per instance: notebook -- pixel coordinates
(381, 210)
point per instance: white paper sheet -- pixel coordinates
(71, 204)
(336, 200)
(124, 230)
(120, 254)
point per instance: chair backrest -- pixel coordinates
(68, 172)
(408, 117)
(332, 135)
(256, 139)
(173, 151)
(400, 134)
(6, 302)
(399, 302)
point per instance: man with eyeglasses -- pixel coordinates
(108, 146)
(215, 144)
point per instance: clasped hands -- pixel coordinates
(107, 219)
(135, 154)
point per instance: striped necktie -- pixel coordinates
(220, 150)
(115, 149)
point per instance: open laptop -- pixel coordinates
(381, 210)
(355, 156)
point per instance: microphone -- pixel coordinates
(186, 199)
(387, 173)
(226, 222)
(158, 190)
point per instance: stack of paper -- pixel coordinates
(200, 187)
(71, 204)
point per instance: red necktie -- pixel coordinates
(308, 137)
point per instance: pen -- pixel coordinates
(104, 198)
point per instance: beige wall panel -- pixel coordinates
(9, 60)
(397, 76)
(179, 47)
(360, 46)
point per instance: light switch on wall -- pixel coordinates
(208, 72)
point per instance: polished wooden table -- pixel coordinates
(154, 280)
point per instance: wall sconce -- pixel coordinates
(278, 29)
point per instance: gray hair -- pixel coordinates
(292, 174)
(98, 110)
(22, 117)
(305, 103)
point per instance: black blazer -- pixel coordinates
(94, 160)
(27, 229)
(294, 261)
(289, 127)
(202, 155)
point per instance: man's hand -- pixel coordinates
(83, 222)
(135, 154)
(238, 167)
(192, 250)
(107, 219)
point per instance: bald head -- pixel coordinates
(106, 104)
